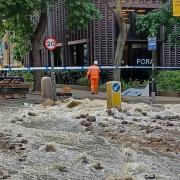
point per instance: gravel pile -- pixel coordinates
(86, 141)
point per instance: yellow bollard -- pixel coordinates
(113, 89)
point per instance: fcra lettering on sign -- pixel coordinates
(144, 61)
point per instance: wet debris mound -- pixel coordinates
(50, 148)
(73, 104)
(32, 114)
(49, 102)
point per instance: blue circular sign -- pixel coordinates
(116, 87)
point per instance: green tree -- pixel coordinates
(150, 24)
(26, 21)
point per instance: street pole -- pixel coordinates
(53, 77)
(152, 46)
(153, 78)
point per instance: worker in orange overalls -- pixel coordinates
(94, 75)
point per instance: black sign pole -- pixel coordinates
(152, 46)
(53, 76)
(153, 77)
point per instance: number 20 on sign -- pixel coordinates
(50, 44)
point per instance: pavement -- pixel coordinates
(82, 94)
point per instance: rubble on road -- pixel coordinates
(81, 139)
(73, 104)
(48, 102)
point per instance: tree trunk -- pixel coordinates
(119, 51)
(116, 8)
(36, 63)
(35, 43)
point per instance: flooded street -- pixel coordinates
(82, 140)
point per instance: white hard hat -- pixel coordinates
(96, 62)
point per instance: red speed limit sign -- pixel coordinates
(50, 43)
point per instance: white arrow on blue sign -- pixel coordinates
(116, 87)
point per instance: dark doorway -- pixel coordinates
(78, 54)
(58, 57)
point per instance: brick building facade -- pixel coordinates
(98, 41)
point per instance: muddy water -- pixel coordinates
(126, 143)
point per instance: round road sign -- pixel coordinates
(50, 43)
(116, 87)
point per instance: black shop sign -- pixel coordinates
(141, 57)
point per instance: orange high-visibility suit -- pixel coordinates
(94, 75)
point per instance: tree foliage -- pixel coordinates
(169, 80)
(21, 18)
(151, 22)
(81, 12)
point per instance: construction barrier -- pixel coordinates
(85, 68)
